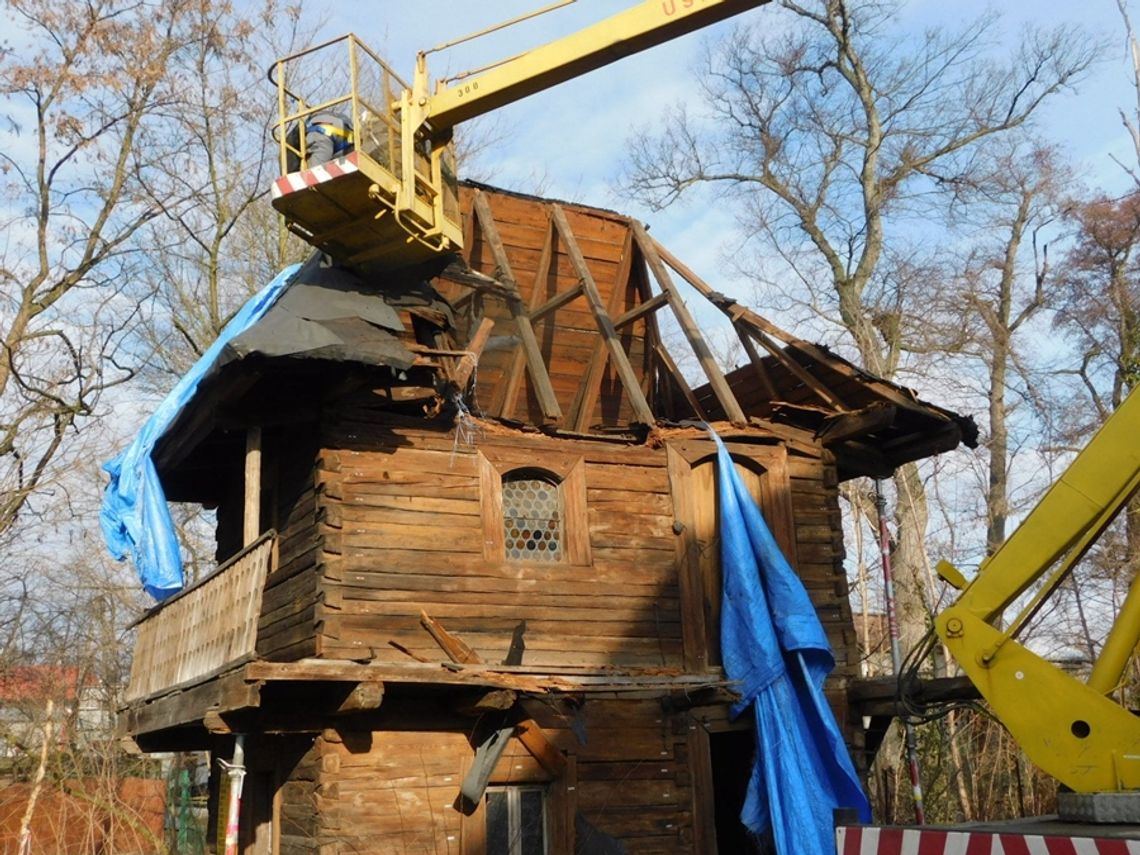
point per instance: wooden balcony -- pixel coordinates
(205, 628)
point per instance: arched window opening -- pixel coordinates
(532, 516)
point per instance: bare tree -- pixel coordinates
(1019, 199)
(85, 100)
(832, 132)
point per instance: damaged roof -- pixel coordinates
(549, 320)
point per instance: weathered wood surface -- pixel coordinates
(394, 790)
(203, 629)
(548, 319)
(405, 527)
(407, 530)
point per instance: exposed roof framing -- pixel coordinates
(551, 314)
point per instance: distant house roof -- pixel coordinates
(36, 683)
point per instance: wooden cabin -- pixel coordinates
(464, 510)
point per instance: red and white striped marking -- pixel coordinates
(856, 840)
(295, 181)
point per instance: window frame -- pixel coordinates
(514, 793)
(570, 473)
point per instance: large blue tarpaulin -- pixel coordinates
(774, 647)
(135, 518)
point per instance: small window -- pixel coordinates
(532, 516)
(516, 821)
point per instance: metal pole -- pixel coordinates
(236, 772)
(896, 652)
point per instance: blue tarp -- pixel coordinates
(774, 647)
(135, 519)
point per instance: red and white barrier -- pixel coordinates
(858, 840)
(295, 181)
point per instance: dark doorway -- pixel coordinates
(732, 753)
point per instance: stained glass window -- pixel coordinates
(532, 516)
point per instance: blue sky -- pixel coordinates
(571, 137)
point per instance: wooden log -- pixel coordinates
(689, 327)
(544, 392)
(456, 649)
(605, 325)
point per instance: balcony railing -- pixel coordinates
(205, 627)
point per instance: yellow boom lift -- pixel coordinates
(1072, 729)
(392, 201)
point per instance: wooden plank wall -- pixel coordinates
(392, 791)
(402, 531)
(567, 337)
(286, 629)
(820, 552)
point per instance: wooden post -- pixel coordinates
(629, 380)
(543, 389)
(251, 521)
(717, 381)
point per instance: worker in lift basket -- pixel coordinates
(327, 135)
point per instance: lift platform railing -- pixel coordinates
(410, 180)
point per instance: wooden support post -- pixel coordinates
(686, 389)
(586, 398)
(717, 381)
(251, 519)
(745, 320)
(543, 388)
(756, 361)
(625, 371)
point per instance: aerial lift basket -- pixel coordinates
(389, 203)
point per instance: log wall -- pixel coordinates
(403, 531)
(568, 337)
(401, 524)
(393, 791)
(287, 628)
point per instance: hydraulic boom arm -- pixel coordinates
(1071, 729)
(638, 28)
(392, 201)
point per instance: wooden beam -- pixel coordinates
(732, 409)
(756, 362)
(251, 514)
(473, 351)
(556, 302)
(620, 358)
(677, 376)
(507, 394)
(543, 389)
(225, 694)
(858, 423)
(482, 701)
(806, 377)
(456, 648)
(586, 396)
(535, 741)
(638, 312)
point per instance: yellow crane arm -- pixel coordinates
(638, 28)
(392, 201)
(1068, 727)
